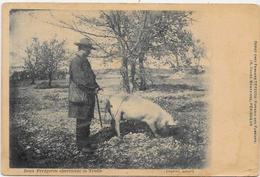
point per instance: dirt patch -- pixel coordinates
(42, 135)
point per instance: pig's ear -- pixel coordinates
(175, 122)
(172, 122)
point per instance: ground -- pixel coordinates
(42, 135)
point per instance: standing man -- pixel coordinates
(82, 90)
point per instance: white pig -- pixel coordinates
(132, 107)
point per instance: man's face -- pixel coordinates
(87, 50)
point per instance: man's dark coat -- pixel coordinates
(82, 87)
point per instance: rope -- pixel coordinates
(121, 104)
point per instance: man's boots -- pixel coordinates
(82, 136)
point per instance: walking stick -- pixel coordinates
(99, 110)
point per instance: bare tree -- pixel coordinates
(133, 35)
(52, 53)
(117, 22)
(32, 59)
(115, 26)
(43, 58)
(162, 31)
(198, 52)
(172, 35)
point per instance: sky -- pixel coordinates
(25, 25)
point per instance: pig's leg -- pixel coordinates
(117, 125)
(153, 128)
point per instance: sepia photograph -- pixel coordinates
(130, 90)
(107, 89)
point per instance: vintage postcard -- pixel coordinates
(130, 89)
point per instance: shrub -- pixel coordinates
(45, 85)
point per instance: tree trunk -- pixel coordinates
(50, 80)
(133, 73)
(177, 62)
(124, 73)
(33, 81)
(143, 84)
(32, 78)
(198, 64)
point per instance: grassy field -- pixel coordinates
(42, 135)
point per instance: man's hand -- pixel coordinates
(98, 89)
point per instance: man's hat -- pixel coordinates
(85, 42)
